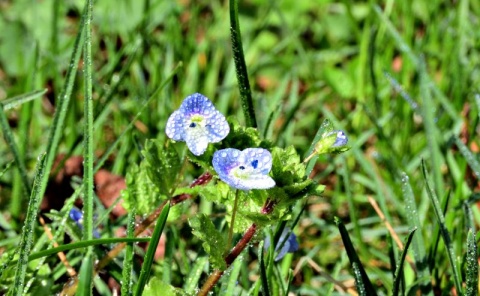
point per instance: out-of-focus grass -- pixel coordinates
(400, 77)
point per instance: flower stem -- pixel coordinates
(232, 221)
(235, 252)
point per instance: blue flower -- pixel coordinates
(77, 216)
(244, 170)
(288, 244)
(341, 138)
(198, 123)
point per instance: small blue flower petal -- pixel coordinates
(244, 170)
(198, 123)
(341, 138)
(290, 244)
(77, 216)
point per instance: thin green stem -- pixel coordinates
(232, 222)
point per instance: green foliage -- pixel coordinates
(151, 182)
(156, 287)
(290, 178)
(141, 192)
(163, 165)
(213, 241)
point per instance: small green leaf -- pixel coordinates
(213, 241)
(163, 165)
(399, 270)
(141, 192)
(156, 287)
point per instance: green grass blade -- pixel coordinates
(128, 260)
(232, 280)
(443, 230)
(418, 243)
(21, 99)
(241, 67)
(263, 271)
(26, 241)
(8, 135)
(85, 283)
(88, 153)
(469, 157)
(399, 270)
(431, 130)
(471, 272)
(191, 283)
(152, 247)
(361, 279)
(87, 243)
(62, 104)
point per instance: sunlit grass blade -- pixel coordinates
(469, 157)
(15, 101)
(128, 260)
(21, 99)
(26, 241)
(152, 247)
(232, 279)
(191, 283)
(364, 286)
(418, 243)
(8, 136)
(61, 110)
(85, 282)
(471, 273)
(86, 243)
(399, 270)
(241, 67)
(443, 229)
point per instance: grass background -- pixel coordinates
(400, 77)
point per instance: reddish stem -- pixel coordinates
(237, 250)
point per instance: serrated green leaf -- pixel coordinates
(213, 241)
(163, 165)
(286, 166)
(141, 191)
(156, 287)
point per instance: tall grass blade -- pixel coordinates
(8, 136)
(263, 271)
(85, 282)
(86, 271)
(471, 272)
(469, 157)
(152, 247)
(128, 260)
(21, 99)
(26, 241)
(418, 243)
(62, 103)
(399, 270)
(232, 280)
(361, 279)
(194, 276)
(443, 230)
(241, 67)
